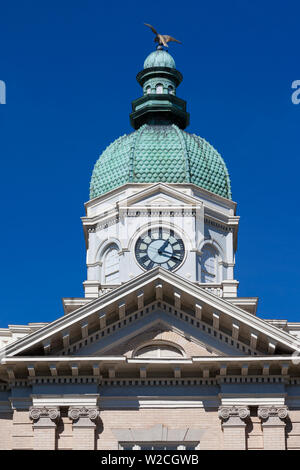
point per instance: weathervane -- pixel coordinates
(162, 39)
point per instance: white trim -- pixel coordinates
(195, 359)
(254, 400)
(158, 402)
(65, 400)
(158, 343)
(170, 187)
(177, 282)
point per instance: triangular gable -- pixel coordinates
(160, 334)
(153, 195)
(159, 325)
(194, 306)
(160, 193)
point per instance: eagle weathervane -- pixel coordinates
(162, 39)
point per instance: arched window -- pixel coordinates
(158, 350)
(111, 265)
(209, 266)
(159, 88)
(171, 90)
(148, 89)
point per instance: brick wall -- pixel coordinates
(234, 438)
(44, 438)
(293, 429)
(22, 432)
(64, 434)
(254, 435)
(173, 418)
(190, 348)
(16, 430)
(83, 438)
(6, 431)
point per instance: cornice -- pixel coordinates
(111, 216)
(173, 186)
(162, 381)
(153, 276)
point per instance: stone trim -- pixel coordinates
(89, 379)
(158, 433)
(226, 308)
(44, 416)
(83, 416)
(200, 325)
(233, 415)
(273, 415)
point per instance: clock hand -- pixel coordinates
(163, 246)
(168, 254)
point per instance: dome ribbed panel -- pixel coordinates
(164, 154)
(159, 156)
(113, 167)
(207, 167)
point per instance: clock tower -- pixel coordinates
(160, 196)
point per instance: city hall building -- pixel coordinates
(161, 352)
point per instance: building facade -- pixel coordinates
(161, 352)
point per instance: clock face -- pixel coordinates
(159, 247)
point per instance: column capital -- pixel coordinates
(233, 415)
(44, 416)
(83, 416)
(273, 415)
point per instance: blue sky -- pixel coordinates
(69, 69)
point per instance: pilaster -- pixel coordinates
(44, 427)
(83, 427)
(233, 425)
(273, 426)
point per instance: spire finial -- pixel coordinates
(162, 39)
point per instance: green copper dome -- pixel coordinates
(160, 153)
(159, 58)
(160, 150)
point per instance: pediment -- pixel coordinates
(155, 296)
(158, 201)
(157, 197)
(160, 326)
(158, 336)
(161, 194)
